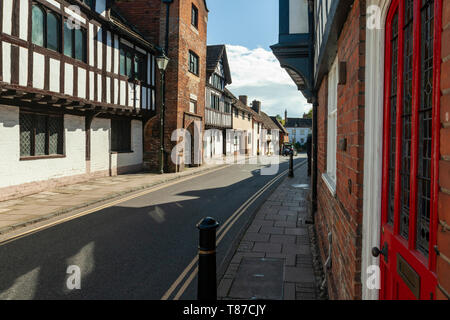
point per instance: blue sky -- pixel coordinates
(249, 28)
(249, 23)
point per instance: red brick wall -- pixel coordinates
(150, 16)
(342, 214)
(443, 237)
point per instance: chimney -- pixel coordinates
(243, 99)
(285, 116)
(256, 106)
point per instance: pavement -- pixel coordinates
(274, 258)
(31, 209)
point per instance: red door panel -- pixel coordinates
(410, 150)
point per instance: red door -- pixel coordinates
(411, 150)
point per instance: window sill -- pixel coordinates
(195, 29)
(195, 74)
(55, 156)
(124, 151)
(330, 183)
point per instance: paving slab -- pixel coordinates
(260, 278)
(280, 263)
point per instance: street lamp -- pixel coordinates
(162, 61)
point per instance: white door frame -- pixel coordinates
(373, 141)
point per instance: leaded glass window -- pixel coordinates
(41, 134)
(37, 34)
(45, 28)
(393, 115)
(406, 119)
(425, 129)
(53, 32)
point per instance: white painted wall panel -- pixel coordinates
(130, 89)
(100, 145)
(16, 172)
(116, 91)
(7, 16)
(108, 89)
(74, 15)
(6, 50)
(23, 66)
(68, 79)
(91, 85)
(122, 92)
(55, 3)
(23, 28)
(138, 96)
(99, 88)
(54, 70)
(38, 70)
(82, 83)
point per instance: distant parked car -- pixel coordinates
(288, 148)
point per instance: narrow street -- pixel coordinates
(138, 248)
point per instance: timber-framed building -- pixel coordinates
(77, 81)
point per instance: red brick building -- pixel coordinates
(381, 182)
(186, 72)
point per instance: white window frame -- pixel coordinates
(330, 176)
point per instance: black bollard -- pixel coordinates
(207, 279)
(291, 165)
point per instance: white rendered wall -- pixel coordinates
(100, 146)
(15, 172)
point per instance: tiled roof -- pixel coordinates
(213, 56)
(298, 123)
(268, 122)
(279, 125)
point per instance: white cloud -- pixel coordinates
(257, 74)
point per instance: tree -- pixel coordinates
(309, 114)
(279, 118)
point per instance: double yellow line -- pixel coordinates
(221, 233)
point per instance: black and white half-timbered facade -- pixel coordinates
(218, 103)
(77, 82)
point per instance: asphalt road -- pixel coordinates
(134, 250)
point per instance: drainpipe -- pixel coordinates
(314, 161)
